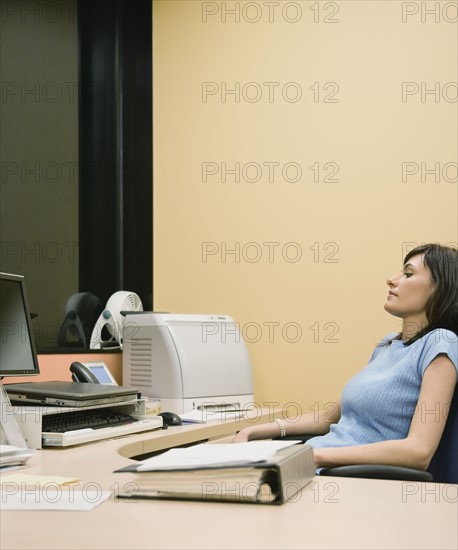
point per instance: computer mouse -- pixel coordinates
(171, 419)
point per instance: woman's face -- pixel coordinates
(410, 291)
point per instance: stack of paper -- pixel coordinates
(214, 455)
(11, 455)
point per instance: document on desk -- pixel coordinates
(12, 455)
(216, 455)
(33, 481)
(51, 499)
(256, 472)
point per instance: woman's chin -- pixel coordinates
(389, 309)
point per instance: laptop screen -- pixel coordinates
(17, 349)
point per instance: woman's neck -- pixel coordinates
(411, 327)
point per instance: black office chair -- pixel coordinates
(442, 469)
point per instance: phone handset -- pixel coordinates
(95, 372)
(80, 373)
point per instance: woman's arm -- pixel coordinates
(428, 422)
(315, 423)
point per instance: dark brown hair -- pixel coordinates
(442, 307)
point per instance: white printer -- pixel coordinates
(187, 361)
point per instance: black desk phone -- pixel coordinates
(94, 373)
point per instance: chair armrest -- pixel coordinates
(368, 471)
(377, 471)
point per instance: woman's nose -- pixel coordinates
(391, 282)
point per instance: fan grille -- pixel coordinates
(132, 303)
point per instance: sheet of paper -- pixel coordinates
(202, 417)
(10, 454)
(66, 500)
(8, 449)
(27, 480)
(225, 454)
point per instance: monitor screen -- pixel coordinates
(17, 349)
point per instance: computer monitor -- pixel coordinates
(18, 355)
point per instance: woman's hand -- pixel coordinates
(305, 424)
(242, 436)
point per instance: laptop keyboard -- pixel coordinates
(80, 420)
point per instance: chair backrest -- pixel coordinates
(444, 465)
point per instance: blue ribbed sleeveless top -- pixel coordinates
(378, 403)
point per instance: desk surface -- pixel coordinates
(329, 513)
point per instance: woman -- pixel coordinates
(394, 411)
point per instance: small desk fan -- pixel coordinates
(107, 332)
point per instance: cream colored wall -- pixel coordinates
(310, 305)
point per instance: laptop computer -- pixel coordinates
(68, 394)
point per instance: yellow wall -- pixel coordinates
(352, 233)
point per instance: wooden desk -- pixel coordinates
(329, 513)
